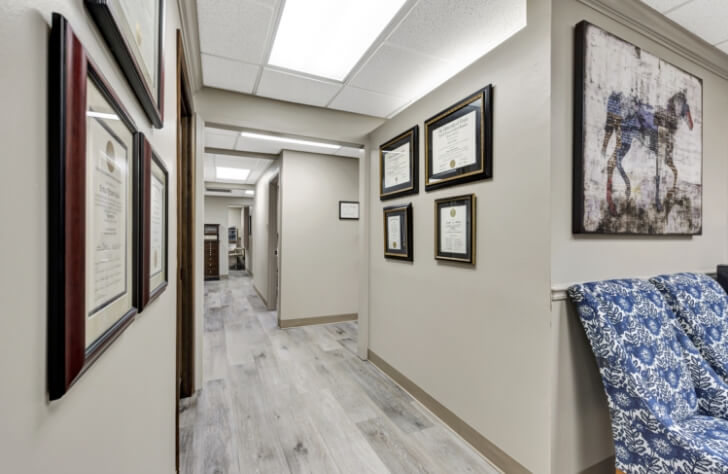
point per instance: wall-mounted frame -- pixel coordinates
(455, 234)
(153, 223)
(459, 142)
(349, 210)
(638, 140)
(399, 161)
(134, 31)
(398, 232)
(92, 219)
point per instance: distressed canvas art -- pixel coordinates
(638, 140)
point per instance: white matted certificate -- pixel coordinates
(454, 144)
(156, 230)
(348, 210)
(397, 166)
(394, 232)
(454, 229)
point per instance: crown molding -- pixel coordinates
(660, 29)
(191, 42)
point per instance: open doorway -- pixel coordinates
(185, 367)
(273, 245)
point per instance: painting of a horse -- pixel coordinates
(641, 117)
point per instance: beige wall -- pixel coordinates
(119, 416)
(218, 211)
(260, 230)
(475, 337)
(581, 435)
(319, 252)
(199, 247)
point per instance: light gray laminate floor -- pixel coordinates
(299, 400)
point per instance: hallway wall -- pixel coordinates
(119, 417)
(260, 230)
(319, 252)
(581, 429)
(474, 338)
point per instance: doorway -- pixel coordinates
(273, 245)
(185, 367)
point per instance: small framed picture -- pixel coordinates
(134, 31)
(399, 165)
(459, 142)
(455, 229)
(398, 232)
(92, 171)
(348, 210)
(153, 218)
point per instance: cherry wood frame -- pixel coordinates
(407, 252)
(147, 158)
(68, 69)
(152, 102)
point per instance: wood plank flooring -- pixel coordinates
(300, 401)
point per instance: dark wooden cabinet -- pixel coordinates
(212, 252)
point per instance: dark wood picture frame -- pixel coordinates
(406, 252)
(69, 69)
(482, 102)
(105, 14)
(147, 159)
(411, 136)
(469, 200)
(358, 209)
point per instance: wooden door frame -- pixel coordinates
(185, 275)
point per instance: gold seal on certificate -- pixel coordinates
(398, 165)
(398, 232)
(455, 229)
(458, 142)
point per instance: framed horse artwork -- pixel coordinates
(638, 140)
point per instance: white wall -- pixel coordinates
(119, 416)
(217, 211)
(260, 230)
(199, 246)
(581, 422)
(474, 338)
(319, 253)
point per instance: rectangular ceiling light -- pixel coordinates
(274, 138)
(249, 192)
(327, 38)
(235, 174)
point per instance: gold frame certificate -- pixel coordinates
(399, 164)
(455, 229)
(398, 232)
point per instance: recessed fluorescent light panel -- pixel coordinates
(249, 192)
(328, 37)
(274, 138)
(235, 174)
(102, 115)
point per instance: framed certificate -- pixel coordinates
(399, 165)
(153, 211)
(134, 31)
(348, 210)
(459, 142)
(398, 232)
(92, 216)
(455, 229)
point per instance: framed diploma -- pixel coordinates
(348, 210)
(459, 142)
(399, 165)
(134, 31)
(455, 229)
(398, 232)
(92, 217)
(153, 209)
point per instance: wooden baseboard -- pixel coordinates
(492, 452)
(260, 295)
(337, 318)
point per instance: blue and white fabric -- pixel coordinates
(669, 409)
(701, 307)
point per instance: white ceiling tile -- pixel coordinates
(294, 88)
(365, 102)
(228, 74)
(664, 5)
(403, 73)
(459, 31)
(258, 146)
(706, 18)
(236, 29)
(209, 172)
(220, 138)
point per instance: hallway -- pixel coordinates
(300, 400)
